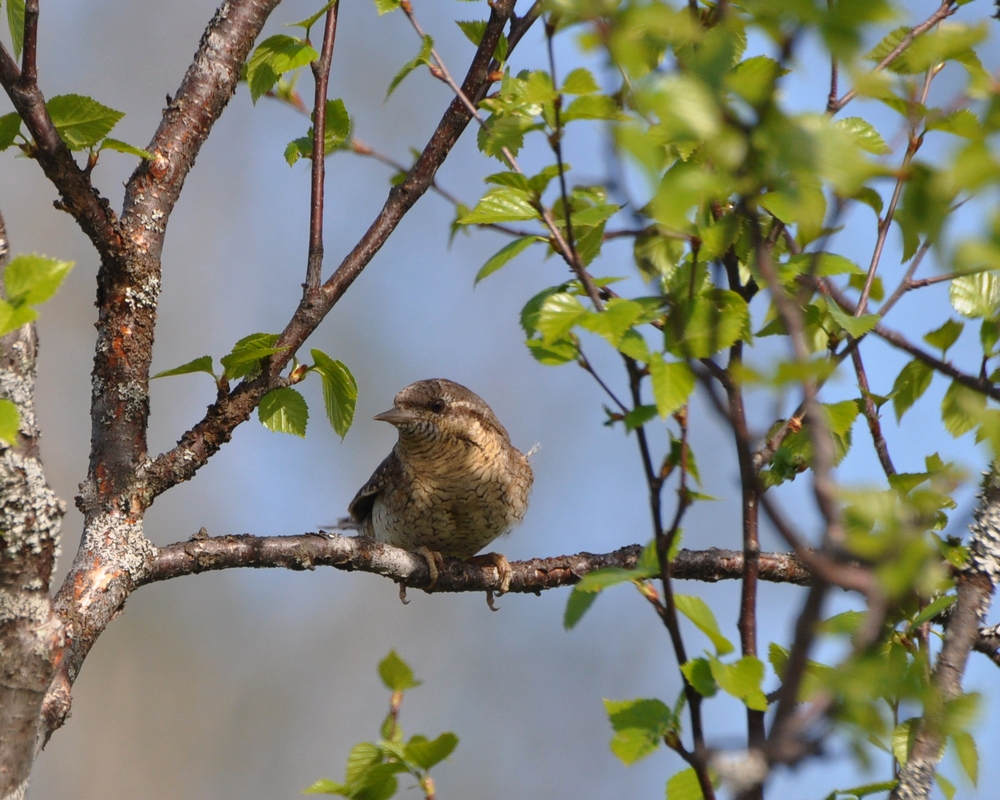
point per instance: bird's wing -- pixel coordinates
(360, 508)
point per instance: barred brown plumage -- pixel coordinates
(453, 482)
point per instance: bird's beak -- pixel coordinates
(396, 416)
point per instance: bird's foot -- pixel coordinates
(402, 594)
(504, 574)
(435, 563)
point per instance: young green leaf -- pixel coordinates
(673, 383)
(580, 81)
(201, 364)
(506, 254)
(968, 755)
(10, 421)
(396, 673)
(699, 674)
(340, 391)
(976, 296)
(697, 610)
(15, 22)
(245, 357)
(685, 786)
(10, 127)
(13, 317)
(284, 411)
(124, 147)
(272, 58)
(944, 337)
(426, 753)
(308, 22)
(81, 121)
(742, 680)
(503, 204)
(386, 6)
(423, 57)
(961, 409)
(639, 726)
(33, 279)
(909, 386)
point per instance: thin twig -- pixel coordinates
(321, 73)
(946, 9)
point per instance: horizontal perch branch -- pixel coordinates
(308, 551)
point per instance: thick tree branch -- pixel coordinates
(114, 552)
(976, 583)
(203, 553)
(31, 635)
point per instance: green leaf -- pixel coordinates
(326, 786)
(10, 127)
(673, 383)
(909, 386)
(503, 204)
(245, 357)
(585, 592)
(713, 321)
(968, 755)
(962, 122)
(902, 740)
(425, 754)
(639, 726)
(699, 674)
(944, 337)
(684, 786)
(338, 124)
(123, 147)
(961, 409)
(396, 673)
(576, 606)
(976, 296)
(33, 279)
(552, 354)
(473, 30)
(864, 135)
(946, 786)
(10, 421)
(81, 121)
(505, 254)
(697, 610)
(308, 22)
(201, 364)
(340, 391)
(933, 609)
(557, 316)
(15, 22)
(580, 81)
(284, 411)
(13, 317)
(855, 326)
(360, 761)
(386, 6)
(742, 680)
(594, 106)
(272, 58)
(423, 57)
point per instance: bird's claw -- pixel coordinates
(402, 595)
(435, 563)
(489, 600)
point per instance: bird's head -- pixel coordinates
(444, 411)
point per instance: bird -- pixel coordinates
(453, 482)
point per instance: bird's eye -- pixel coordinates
(438, 405)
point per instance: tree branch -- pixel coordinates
(203, 553)
(31, 635)
(976, 583)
